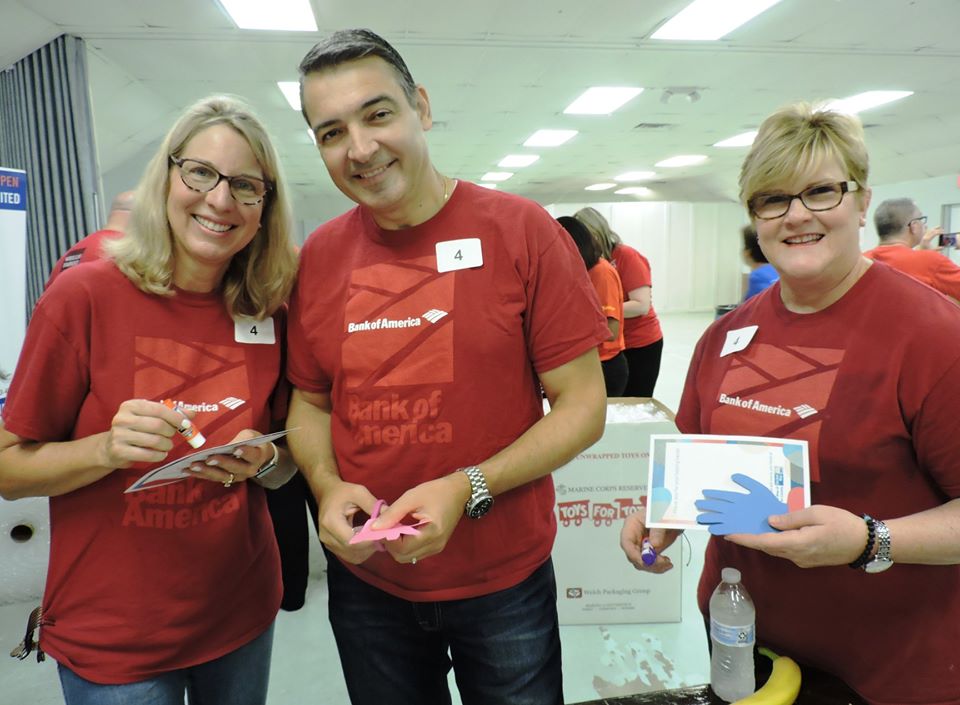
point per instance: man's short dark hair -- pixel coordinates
(349, 45)
(752, 244)
(893, 215)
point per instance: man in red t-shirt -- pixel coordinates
(423, 325)
(88, 249)
(900, 226)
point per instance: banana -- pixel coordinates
(781, 688)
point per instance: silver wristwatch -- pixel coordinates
(480, 498)
(881, 559)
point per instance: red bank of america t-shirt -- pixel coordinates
(429, 372)
(634, 271)
(872, 383)
(168, 578)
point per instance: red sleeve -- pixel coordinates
(633, 268)
(948, 278)
(563, 318)
(52, 378)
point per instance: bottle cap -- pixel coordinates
(730, 575)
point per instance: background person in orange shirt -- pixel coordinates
(641, 335)
(606, 281)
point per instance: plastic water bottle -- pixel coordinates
(732, 634)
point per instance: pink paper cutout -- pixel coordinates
(392, 533)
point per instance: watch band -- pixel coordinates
(271, 464)
(881, 560)
(480, 498)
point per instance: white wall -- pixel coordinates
(694, 248)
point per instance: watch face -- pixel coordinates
(481, 507)
(877, 565)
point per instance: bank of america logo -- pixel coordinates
(232, 402)
(434, 315)
(804, 410)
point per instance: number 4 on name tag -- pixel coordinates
(459, 254)
(254, 331)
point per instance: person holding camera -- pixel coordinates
(903, 243)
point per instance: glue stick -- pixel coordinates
(187, 428)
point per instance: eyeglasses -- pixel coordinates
(201, 177)
(921, 219)
(823, 197)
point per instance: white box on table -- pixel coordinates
(595, 492)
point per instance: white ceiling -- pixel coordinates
(498, 70)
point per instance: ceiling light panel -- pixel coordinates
(496, 176)
(682, 160)
(599, 187)
(635, 176)
(512, 161)
(291, 91)
(864, 101)
(744, 139)
(602, 100)
(634, 191)
(705, 20)
(549, 138)
(291, 15)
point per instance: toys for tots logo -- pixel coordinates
(576, 512)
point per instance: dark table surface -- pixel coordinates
(816, 688)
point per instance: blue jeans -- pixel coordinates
(237, 678)
(504, 647)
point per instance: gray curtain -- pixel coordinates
(46, 129)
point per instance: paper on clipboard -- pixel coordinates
(176, 470)
(682, 466)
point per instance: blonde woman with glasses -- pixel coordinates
(174, 588)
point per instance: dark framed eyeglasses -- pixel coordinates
(201, 177)
(822, 197)
(920, 219)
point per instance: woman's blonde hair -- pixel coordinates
(795, 140)
(598, 226)
(259, 277)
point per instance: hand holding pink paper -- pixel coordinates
(367, 533)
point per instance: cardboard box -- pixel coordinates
(595, 492)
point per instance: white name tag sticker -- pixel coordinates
(254, 331)
(738, 340)
(459, 254)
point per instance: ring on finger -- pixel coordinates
(229, 482)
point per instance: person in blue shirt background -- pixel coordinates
(762, 273)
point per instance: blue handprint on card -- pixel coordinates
(737, 512)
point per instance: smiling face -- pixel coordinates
(210, 228)
(372, 140)
(815, 253)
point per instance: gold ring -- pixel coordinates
(230, 481)
(413, 561)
